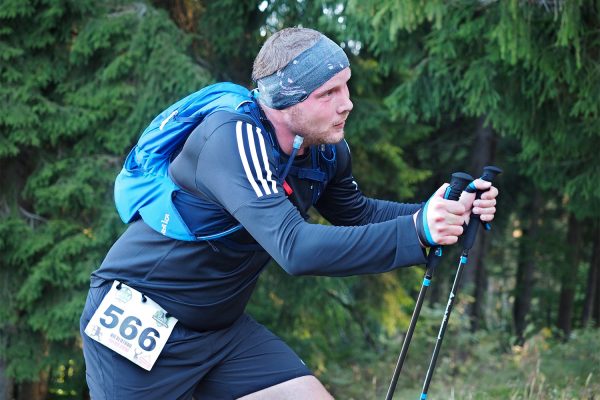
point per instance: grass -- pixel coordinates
(481, 366)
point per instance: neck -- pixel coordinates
(283, 133)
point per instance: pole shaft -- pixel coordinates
(407, 339)
(444, 325)
(435, 256)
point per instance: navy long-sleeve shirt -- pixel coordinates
(229, 162)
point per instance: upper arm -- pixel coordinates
(232, 164)
(229, 160)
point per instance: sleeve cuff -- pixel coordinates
(408, 249)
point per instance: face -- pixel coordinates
(321, 118)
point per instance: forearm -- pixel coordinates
(361, 210)
(310, 249)
(383, 210)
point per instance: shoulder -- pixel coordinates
(222, 120)
(220, 137)
(223, 129)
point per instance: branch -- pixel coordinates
(31, 216)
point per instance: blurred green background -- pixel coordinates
(438, 86)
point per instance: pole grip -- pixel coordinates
(489, 174)
(458, 183)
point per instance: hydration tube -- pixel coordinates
(295, 147)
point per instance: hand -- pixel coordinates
(485, 207)
(444, 218)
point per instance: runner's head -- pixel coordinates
(304, 74)
(293, 63)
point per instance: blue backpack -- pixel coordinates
(143, 187)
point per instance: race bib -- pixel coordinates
(131, 324)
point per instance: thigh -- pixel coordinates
(254, 360)
(185, 359)
(305, 387)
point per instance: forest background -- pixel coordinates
(438, 86)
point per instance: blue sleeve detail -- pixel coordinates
(463, 260)
(425, 226)
(426, 282)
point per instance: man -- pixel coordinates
(230, 165)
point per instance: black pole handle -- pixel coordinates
(458, 183)
(489, 174)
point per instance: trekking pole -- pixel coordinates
(489, 173)
(458, 182)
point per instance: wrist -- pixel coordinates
(415, 215)
(422, 227)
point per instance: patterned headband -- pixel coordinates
(305, 73)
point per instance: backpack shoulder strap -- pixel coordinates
(143, 187)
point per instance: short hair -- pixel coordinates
(281, 48)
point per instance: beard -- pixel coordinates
(315, 133)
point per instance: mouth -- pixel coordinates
(340, 124)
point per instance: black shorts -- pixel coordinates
(222, 364)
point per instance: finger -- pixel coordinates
(452, 220)
(447, 226)
(484, 203)
(454, 207)
(486, 217)
(451, 230)
(492, 193)
(448, 240)
(442, 189)
(484, 211)
(482, 185)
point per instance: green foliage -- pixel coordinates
(82, 80)
(530, 72)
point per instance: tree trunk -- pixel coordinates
(569, 277)
(34, 390)
(476, 261)
(475, 272)
(526, 268)
(596, 308)
(6, 384)
(592, 283)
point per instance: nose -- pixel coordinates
(346, 104)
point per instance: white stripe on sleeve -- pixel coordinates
(255, 162)
(265, 160)
(240, 143)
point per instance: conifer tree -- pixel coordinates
(529, 68)
(80, 80)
